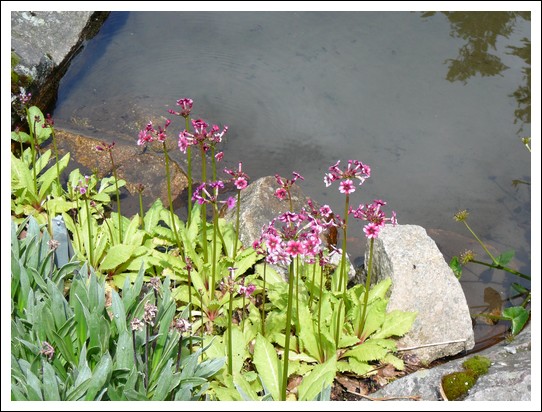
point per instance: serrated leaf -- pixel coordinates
(307, 333)
(116, 256)
(397, 323)
(267, 364)
(321, 376)
(367, 351)
(353, 365)
(394, 361)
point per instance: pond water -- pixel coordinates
(435, 103)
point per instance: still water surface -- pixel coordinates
(435, 103)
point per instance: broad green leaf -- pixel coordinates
(519, 317)
(20, 137)
(505, 257)
(79, 391)
(367, 351)
(380, 290)
(353, 365)
(47, 178)
(397, 323)
(36, 121)
(268, 366)
(394, 361)
(117, 255)
(119, 314)
(33, 387)
(21, 176)
(50, 385)
(456, 267)
(321, 376)
(244, 388)
(376, 315)
(307, 332)
(100, 376)
(41, 162)
(162, 386)
(152, 217)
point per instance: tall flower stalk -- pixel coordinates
(148, 135)
(186, 108)
(376, 219)
(240, 180)
(108, 148)
(49, 123)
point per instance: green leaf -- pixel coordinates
(380, 290)
(36, 126)
(46, 179)
(117, 255)
(376, 315)
(244, 388)
(21, 176)
(519, 288)
(50, 385)
(505, 257)
(20, 137)
(162, 386)
(307, 333)
(353, 365)
(456, 267)
(394, 361)
(397, 323)
(367, 351)
(321, 376)
(79, 391)
(268, 366)
(100, 376)
(519, 317)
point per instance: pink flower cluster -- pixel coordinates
(354, 170)
(202, 195)
(239, 178)
(285, 184)
(372, 213)
(201, 136)
(150, 134)
(297, 234)
(186, 107)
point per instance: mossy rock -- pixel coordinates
(456, 385)
(478, 365)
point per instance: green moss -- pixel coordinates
(456, 385)
(478, 365)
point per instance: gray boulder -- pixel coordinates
(43, 43)
(508, 378)
(423, 282)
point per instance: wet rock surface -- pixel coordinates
(508, 378)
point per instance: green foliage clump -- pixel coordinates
(478, 365)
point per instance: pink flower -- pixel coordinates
(240, 183)
(247, 290)
(281, 193)
(371, 230)
(186, 106)
(294, 248)
(219, 156)
(354, 170)
(347, 187)
(230, 203)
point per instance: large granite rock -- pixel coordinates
(423, 282)
(42, 45)
(508, 378)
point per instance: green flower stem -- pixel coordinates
(90, 257)
(213, 163)
(287, 331)
(213, 263)
(313, 276)
(168, 179)
(147, 362)
(76, 226)
(56, 158)
(507, 269)
(342, 276)
(230, 346)
(178, 363)
(189, 172)
(33, 149)
(297, 276)
(243, 315)
(367, 287)
(117, 193)
(141, 210)
(263, 297)
(134, 347)
(322, 354)
(190, 304)
(204, 207)
(481, 243)
(237, 212)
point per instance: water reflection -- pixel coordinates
(481, 31)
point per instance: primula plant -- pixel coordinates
(149, 307)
